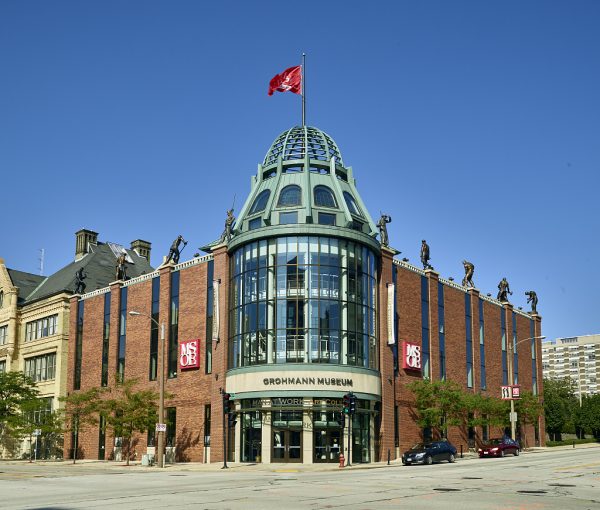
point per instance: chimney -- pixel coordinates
(83, 239)
(142, 248)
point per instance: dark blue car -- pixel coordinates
(430, 452)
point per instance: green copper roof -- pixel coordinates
(300, 141)
(303, 188)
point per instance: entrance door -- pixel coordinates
(327, 445)
(287, 445)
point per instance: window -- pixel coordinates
(287, 218)
(78, 346)
(534, 388)
(105, 340)
(174, 331)
(351, 203)
(1, 298)
(290, 196)
(41, 368)
(122, 335)
(442, 332)
(3, 334)
(260, 202)
(254, 224)
(324, 197)
(357, 225)
(210, 293)
(2, 366)
(482, 375)
(41, 328)
(171, 413)
(207, 425)
(514, 348)
(425, 326)
(469, 338)
(326, 219)
(293, 169)
(504, 354)
(319, 170)
(154, 333)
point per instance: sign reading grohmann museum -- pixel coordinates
(308, 381)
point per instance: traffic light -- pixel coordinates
(352, 407)
(346, 403)
(226, 403)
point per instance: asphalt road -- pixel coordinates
(544, 479)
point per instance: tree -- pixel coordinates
(559, 405)
(37, 420)
(130, 411)
(16, 391)
(528, 409)
(438, 404)
(589, 417)
(81, 411)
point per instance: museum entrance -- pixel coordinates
(327, 445)
(287, 445)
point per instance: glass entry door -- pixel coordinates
(287, 445)
(327, 445)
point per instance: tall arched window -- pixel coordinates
(351, 203)
(290, 196)
(1, 298)
(261, 202)
(324, 197)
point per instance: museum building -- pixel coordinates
(296, 305)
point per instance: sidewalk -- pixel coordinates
(272, 468)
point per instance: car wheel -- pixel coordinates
(452, 458)
(428, 460)
(502, 453)
(407, 463)
(517, 452)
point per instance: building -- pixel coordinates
(35, 311)
(574, 357)
(299, 306)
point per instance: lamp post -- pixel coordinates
(161, 388)
(513, 346)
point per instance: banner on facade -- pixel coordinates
(189, 354)
(411, 356)
(215, 319)
(391, 314)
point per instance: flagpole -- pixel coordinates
(303, 89)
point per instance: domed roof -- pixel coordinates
(300, 141)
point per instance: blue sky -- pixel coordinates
(475, 125)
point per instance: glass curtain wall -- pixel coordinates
(303, 300)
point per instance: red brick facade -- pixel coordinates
(192, 390)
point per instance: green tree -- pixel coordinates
(129, 411)
(16, 391)
(81, 411)
(36, 420)
(559, 405)
(589, 416)
(438, 404)
(528, 409)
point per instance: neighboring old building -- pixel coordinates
(299, 307)
(34, 316)
(577, 357)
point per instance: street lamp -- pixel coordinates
(161, 389)
(513, 421)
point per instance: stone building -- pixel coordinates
(301, 305)
(35, 311)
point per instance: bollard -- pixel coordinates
(461, 454)
(389, 456)
(342, 460)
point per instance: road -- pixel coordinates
(544, 479)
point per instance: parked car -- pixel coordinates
(430, 452)
(499, 447)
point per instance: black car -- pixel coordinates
(428, 453)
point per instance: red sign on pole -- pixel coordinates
(189, 354)
(516, 392)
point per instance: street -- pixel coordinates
(541, 479)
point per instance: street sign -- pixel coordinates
(511, 392)
(161, 427)
(37, 432)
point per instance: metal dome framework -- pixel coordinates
(300, 142)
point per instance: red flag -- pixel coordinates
(290, 79)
